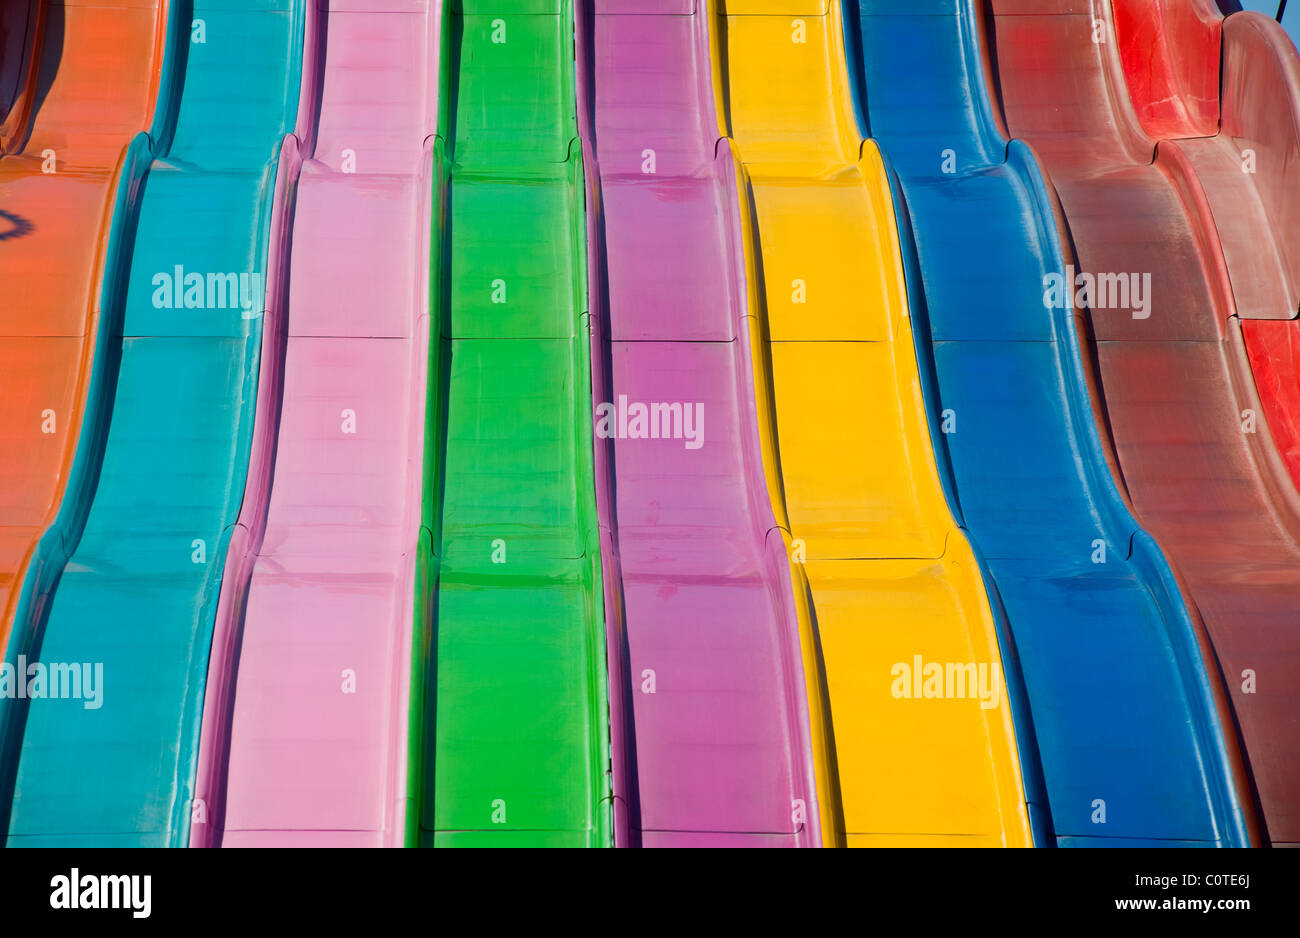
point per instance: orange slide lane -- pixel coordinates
(85, 86)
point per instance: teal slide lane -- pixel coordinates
(133, 607)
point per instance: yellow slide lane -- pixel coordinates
(888, 577)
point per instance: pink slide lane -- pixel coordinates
(305, 720)
(713, 747)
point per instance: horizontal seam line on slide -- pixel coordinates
(506, 830)
(302, 830)
(718, 342)
(682, 830)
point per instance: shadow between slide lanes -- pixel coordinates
(1224, 108)
(708, 709)
(305, 725)
(890, 584)
(18, 64)
(1126, 709)
(1175, 379)
(139, 594)
(512, 735)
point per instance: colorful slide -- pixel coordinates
(709, 716)
(649, 423)
(1129, 711)
(514, 747)
(78, 81)
(305, 740)
(1174, 374)
(1225, 112)
(138, 596)
(894, 592)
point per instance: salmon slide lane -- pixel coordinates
(1175, 376)
(79, 82)
(139, 593)
(1129, 711)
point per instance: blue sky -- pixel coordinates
(1265, 6)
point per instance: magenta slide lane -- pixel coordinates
(305, 719)
(710, 730)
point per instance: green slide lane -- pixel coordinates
(511, 728)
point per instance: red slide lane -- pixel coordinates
(1274, 350)
(1261, 113)
(1249, 169)
(1175, 378)
(1170, 52)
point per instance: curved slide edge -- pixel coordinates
(514, 740)
(701, 626)
(822, 218)
(1175, 378)
(1290, 21)
(1033, 472)
(207, 819)
(84, 774)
